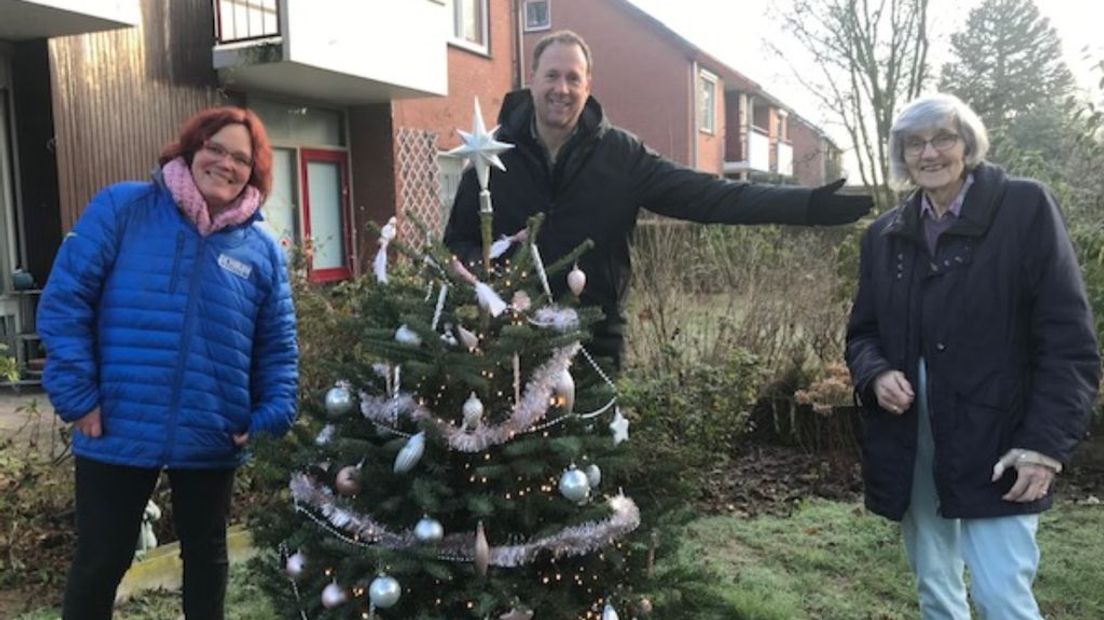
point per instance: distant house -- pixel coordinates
(681, 101)
(358, 97)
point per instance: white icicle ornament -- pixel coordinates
(576, 280)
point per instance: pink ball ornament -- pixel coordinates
(347, 481)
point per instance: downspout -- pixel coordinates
(695, 122)
(519, 44)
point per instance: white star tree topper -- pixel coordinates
(481, 148)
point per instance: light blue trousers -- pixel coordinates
(1000, 552)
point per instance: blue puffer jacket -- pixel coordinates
(181, 340)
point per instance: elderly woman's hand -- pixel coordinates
(1034, 474)
(894, 391)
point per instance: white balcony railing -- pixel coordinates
(758, 150)
(785, 159)
(335, 50)
(41, 19)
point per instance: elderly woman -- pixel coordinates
(168, 323)
(972, 349)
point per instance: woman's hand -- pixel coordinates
(241, 439)
(1032, 483)
(1034, 474)
(894, 391)
(89, 424)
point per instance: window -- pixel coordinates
(470, 24)
(325, 182)
(242, 20)
(707, 113)
(310, 185)
(451, 171)
(537, 15)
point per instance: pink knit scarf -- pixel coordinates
(178, 178)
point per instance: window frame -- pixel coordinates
(707, 123)
(482, 47)
(341, 158)
(547, 25)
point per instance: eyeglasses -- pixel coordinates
(217, 150)
(914, 145)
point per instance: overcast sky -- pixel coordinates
(734, 32)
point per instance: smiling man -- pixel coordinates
(591, 179)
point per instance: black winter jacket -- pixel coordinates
(1000, 316)
(602, 177)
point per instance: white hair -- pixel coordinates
(931, 111)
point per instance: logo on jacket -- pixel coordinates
(234, 266)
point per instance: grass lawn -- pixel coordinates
(835, 561)
(827, 561)
(244, 601)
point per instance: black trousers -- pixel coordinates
(110, 503)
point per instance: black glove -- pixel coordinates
(827, 208)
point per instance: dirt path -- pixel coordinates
(27, 419)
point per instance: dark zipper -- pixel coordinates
(176, 262)
(185, 345)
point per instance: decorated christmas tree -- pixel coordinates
(465, 461)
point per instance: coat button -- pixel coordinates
(939, 346)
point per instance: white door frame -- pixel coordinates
(8, 255)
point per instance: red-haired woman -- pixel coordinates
(170, 333)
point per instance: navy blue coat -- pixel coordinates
(1000, 316)
(181, 340)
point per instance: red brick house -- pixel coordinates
(681, 101)
(358, 98)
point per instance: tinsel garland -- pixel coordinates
(572, 541)
(535, 401)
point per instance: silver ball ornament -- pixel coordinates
(339, 401)
(594, 476)
(574, 485)
(347, 481)
(296, 565)
(333, 595)
(384, 591)
(405, 335)
(429, 530)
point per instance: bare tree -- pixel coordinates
(870, 57)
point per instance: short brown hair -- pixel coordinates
(199, 128)
(563, 37)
